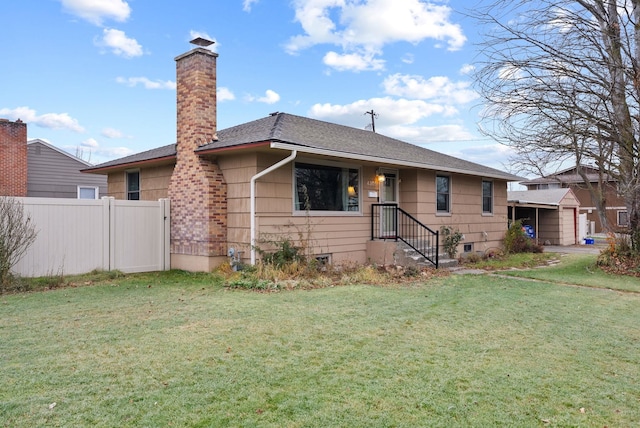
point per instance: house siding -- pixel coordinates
(345, 236)
(154, 183)
(484, 231)
(52, 174)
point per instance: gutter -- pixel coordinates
(273, 167)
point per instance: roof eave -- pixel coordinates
(126, 165)
(216, 150)
(376, 159)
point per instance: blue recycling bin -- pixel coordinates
(529, 231)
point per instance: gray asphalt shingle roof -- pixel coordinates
(541, 197)
(157, 153)
(316, 134)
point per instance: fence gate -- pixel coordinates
(78, 235)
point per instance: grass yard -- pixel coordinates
(580, 269)
(177, 349)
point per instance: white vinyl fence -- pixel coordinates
(78, 235)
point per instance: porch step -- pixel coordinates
(409, 256)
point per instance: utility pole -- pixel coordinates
(373, 119)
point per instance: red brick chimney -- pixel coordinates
(13, 158)
(197, 190)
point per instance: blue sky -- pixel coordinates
(97, 77)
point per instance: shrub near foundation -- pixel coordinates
(517, 241)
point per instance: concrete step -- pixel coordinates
(412, 257)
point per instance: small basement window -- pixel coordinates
(468, 248)
(323, 260)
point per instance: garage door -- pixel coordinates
(568, 227)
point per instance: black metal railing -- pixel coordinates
(388, 221)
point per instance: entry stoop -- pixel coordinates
(407, 256)
(388, 252)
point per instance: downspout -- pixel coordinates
(273, 167)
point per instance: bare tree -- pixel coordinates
(17, 233)
(561, 82)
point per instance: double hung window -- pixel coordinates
(443, 194)
(133, 185)
(487, 197)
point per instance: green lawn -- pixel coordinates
(176, 349)
(580, 269)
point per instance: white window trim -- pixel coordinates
(447, 213)
(312, 213)
(95, 188)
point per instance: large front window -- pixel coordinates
(326, 188)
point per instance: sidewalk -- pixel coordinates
(573, 249)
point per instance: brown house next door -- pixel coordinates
(388, 195)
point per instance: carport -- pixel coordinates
(552, 213)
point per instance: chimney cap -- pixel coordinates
(200, 41)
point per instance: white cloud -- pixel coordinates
(193, 34)
(119, 43)
(427, 134)
(390, 111)
(510, 73)
(114, 152)
(96, 11)
(90, 142)
(367, 26)
(494, 155)
(246, 5)
(111, 133)
(408, 58)
(147, 83)
(47, 120)
(467, 69)
(224, 94)
(270, 97)
(353, 62)
(438, 88)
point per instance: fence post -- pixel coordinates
(112, 232)
(165, 234)
(106, 232)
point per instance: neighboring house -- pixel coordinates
(290, 177)
(54, 173)
(38, 169)
(552, 213)
(569, 178)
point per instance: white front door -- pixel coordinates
(388, 192)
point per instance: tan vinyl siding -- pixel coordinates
(238, 170)
(345, 236)
(417, 196)
(154, 183)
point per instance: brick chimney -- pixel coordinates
(197, 190)
(13, 158)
